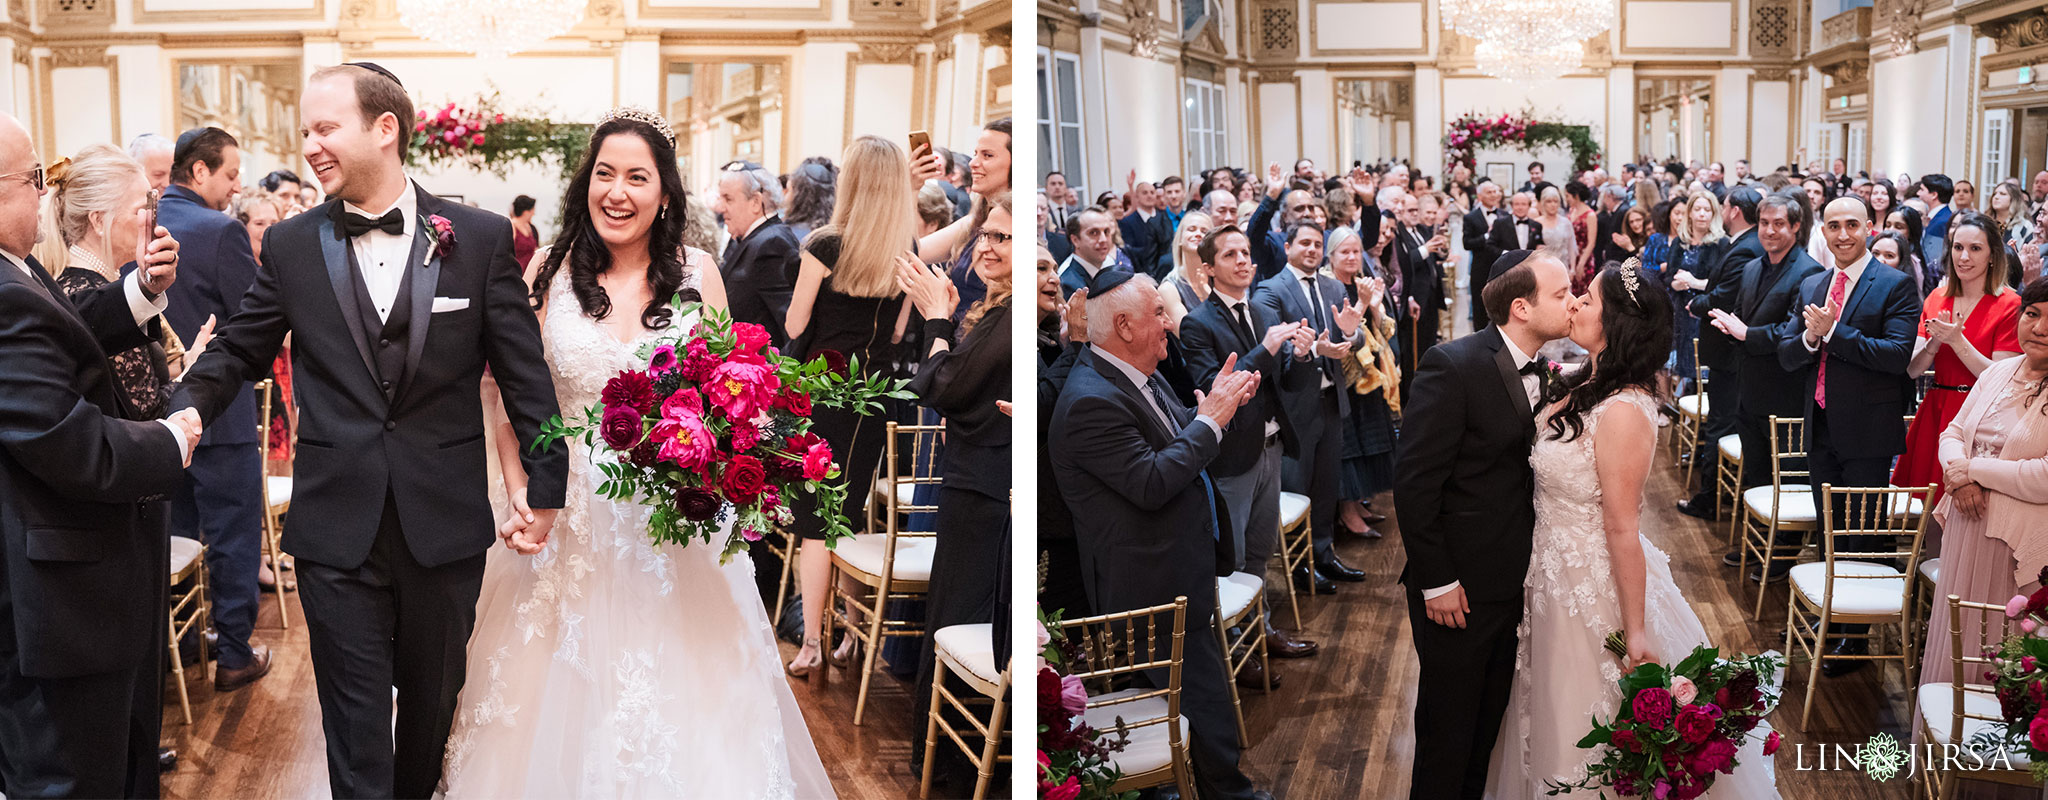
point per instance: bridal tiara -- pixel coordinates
(644, 116)
(1631, 277)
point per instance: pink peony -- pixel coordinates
(742, 390)
(749, 336)
(685, 441)
(1652, 707)
(818, 462)
(1683, 690)
(685, 402)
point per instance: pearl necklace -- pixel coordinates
(85, 258)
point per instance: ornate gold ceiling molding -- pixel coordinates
(822, 12)
(317, 14)
(1901, 21)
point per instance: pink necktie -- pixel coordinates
(1836, 295)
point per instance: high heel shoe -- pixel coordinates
(852, 655)
(796, 670)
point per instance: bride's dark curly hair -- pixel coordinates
(588, 257)
(1637, 326)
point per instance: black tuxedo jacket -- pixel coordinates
(1767, 300)
(1282, 297)
(1867, 356)
(1462, 483)
(1422, 275)
(1209, 335)
(81, 484)
(1502, 235)
(1143, 511)
(1147, 241)
(422, 443)
(1479, 241)
(760, 275)
(1722, 269)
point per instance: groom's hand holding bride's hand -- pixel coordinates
(526, 532)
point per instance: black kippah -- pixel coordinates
(377, 69)
(1109, 278)
(1508, 260)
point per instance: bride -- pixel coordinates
(603, 666)
(1593, 572)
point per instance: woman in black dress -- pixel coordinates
(846, 302)
(1368, 466)
(966, 378)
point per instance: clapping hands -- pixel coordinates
(1945, 329)
(1230, 390)
(929, 290)
(1729, 324)
(1820, 319)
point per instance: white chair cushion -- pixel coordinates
(905, 492)
(1931, 570)
(1235, 594)
(1938, 709)
(1692, 405)
(280, 488)
(1853, 595)
(1149, 748)
(969, 649)
(1794, 504)
(1731, 448)
(1292, 508)
(183, 552)
(864, 552)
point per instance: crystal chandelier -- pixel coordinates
(1529, 24)
(1511, 63)
(490, 28)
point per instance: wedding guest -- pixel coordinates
(1717, 352)
(221, 504)
(2039, 187)
(761, 258)
(1111, 203)
(1884, 198)
(1891, 249)
(1269, 246)
(1994, 458)
(309, 196)
(1056, 192)
(525, 238)
(989, 171)
(1579, 210)
(1093, 234)
(811, 190)
(1478, 239)
(1633, 232)
(1147, 237)
(1555, 226)
(935, 210)
(2013, 213)
(1062, 587)
(965, 377)
(1936, 191)
(1965, 197)
(1856, 338)
(1700, 245)
(1964, 327)
(1131, 465)
(846, 301)
(1187, 285)
(153, 152)
(1535, 177)
(1905, 221)
(1221, 206)
(282, 185)
(1420, 252)
(1516, 232)
(1368, 432)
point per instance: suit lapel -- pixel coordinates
(1135, 394)
(424, 283)
(1511, 380)
(1751, 278)
(1856, 293)
(334, 251)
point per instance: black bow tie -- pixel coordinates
(1534, 367)
(356, 224)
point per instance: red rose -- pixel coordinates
(818, 462)
(622, 428)
(749, 336)
(697, 503)
(1625, 741)
(743, 480)
(632, 389)
(794, 402)
(1696, 723)
(1771, 743)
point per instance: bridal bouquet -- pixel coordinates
(718, 423)
(2019, 676)
(1679, 727)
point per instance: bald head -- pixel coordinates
(20, 198)
(1844, 225)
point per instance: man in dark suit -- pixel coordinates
(1093, 235)
(396, 325)
(82, 522)
(762, 257)
(1247, 470)
(1057, 210)
(1301, 293)
(1146, 235)
(1756, 313)
(1130, 463)
(1465, 494)
(221, 502)
(1269, 245)
(1936, 190)
(1857, 327)
(1513, 230)
(1534, 185)
(1479, 241)
(1718, 352)
(1419, 252)
(1055, 235)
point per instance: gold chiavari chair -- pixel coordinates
(893, 565)
(277, 500)
(967, 652)
(1296, 546)
(1116, 647)
(1241, 604)
(1781, 506)
(1692, 415)
(1954, 705)
(1728, 482)
(1870, 585)
(191, 610)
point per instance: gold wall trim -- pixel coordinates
(821, 12)
(1734, 33)
(788, 87)
(316, 14)
(1315, 6)
(728, 38)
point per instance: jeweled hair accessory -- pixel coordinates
(642, 115)
(1632, 277)
(56, 174)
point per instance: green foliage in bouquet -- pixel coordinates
(1679, 725)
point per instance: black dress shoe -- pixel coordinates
(1339, 571)
(1308, 582)
(1253, 676)
(1697, 510)
(1732, 558)
(1281, 644)
(166, 759)
(1846, 647)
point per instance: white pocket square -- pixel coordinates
(442, 304)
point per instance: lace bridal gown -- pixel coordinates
(1564, 677)
(607, 667)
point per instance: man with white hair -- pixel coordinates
(154, 153)
(1221, 206)
(1131, 463)
(761, 258)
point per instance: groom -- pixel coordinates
(400, 301)
(1465, 499)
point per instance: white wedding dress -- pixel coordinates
(607, 667)
(1563, 675)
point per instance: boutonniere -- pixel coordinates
(444, 235)
(1552, 382)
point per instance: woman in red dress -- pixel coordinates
(1971, 321)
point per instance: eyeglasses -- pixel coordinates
(998, 238)
(35, 176)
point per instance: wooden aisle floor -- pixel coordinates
(1342, 724)
(263, 741)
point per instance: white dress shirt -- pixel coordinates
(1531, 384)
(1855, 274)
(1317, 314)
(138, 304)
(1238, 307)
(1521, 234)
(1143, 383)
(381, 256)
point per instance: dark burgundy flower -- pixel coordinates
(1695, 723)
(835, 362)
(632, 389)
(622, 428)
(698, 503)
(795, 402)
(697, 361)
(743, 479)
(1652, 706)
(1625, 741)
(644, 455)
